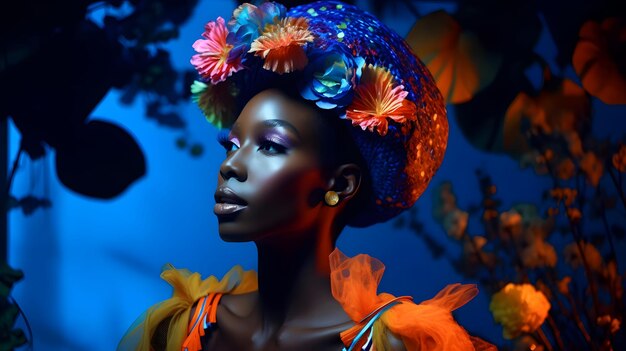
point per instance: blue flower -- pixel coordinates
(333, 75)
(248, 22)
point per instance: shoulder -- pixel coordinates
(168, 321)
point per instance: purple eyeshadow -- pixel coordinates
(235, 141)
(277, 137)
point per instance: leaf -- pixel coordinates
(102, 161)
(8, 277)
(181, 143)
(31, 203)
(599, 59)
(456, 58)
(196, 150)
(169, 119)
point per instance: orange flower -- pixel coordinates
(611, 323)
(619, 159)
(592, 167)
(567, 195)
(573, 256)
(574, 214)
(563, 285)
(538, 254)
(564, 110)
(511, 222)
(378, 97)
(565, 169)
(282, 45)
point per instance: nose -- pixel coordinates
(234, 166)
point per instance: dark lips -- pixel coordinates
(227, 202)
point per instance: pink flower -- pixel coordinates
(282, 45)
(378, 98)
(212, 60)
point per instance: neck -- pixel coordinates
(294, 277)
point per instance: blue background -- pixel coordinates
(92, 266)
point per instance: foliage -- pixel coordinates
(57, 64)
(55, 54)
(552, 268)
(10, 338)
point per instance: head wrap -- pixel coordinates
(345, 60)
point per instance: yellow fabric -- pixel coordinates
(188, 288)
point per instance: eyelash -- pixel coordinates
(264, 144)
(224, 140)
(267, 143)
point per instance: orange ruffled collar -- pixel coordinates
(428, 325)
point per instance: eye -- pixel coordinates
(226, 142)
(271, 147)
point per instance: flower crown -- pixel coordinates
(367, 94)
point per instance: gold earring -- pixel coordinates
(331, 198)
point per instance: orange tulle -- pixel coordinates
(425, 326)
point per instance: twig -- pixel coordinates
(544, 339)
(617, 186)
(555, 332)
(579, 322)
(588, 273)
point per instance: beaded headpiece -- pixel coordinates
(347, 61)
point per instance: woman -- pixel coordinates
(332, 122)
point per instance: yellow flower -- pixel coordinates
(520, 308)
(619, 159)
(592, 256)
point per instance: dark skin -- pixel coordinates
(273, 164)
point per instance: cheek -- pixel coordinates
(284, 191)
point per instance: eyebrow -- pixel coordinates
(281, 123)
(271, 123)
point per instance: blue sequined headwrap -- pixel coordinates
(347, 47)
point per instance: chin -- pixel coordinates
(233, 233)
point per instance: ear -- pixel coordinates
(345, 181)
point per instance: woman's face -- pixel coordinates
(270, 182)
